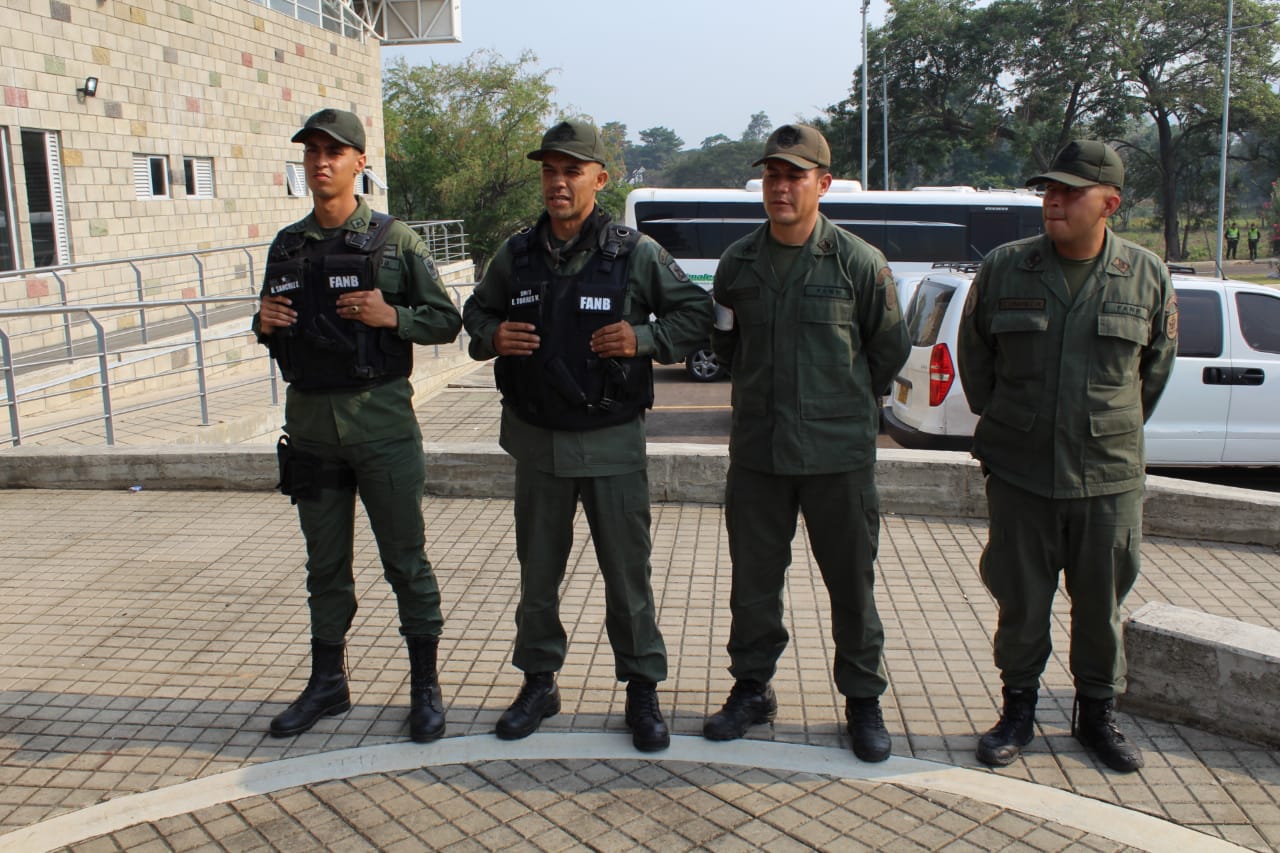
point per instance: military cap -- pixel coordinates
(1084, 163)
(579, 139)
(343, 126)
(798, 144)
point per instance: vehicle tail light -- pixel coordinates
(941, 374)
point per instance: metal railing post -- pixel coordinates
(142, 312)
(10, 389)
(202, 383)
(253, 279)
(104, 374)
(66, 318)
(204, 307)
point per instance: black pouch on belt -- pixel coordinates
(303, 475)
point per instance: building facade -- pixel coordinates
(152, 126)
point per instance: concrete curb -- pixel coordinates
(911, 482)
(1125, 826)
(1213, 673)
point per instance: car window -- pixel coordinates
(928, 307)
(1199, 323)
(1260, 320)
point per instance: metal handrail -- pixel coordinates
(101, 356)
(446, 239)
(58, 273)
(196, 310)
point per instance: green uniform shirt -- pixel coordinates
(681, 318)
(808, 354)
(408, 280)
(1063, 386)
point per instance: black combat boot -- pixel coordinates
(325, 695)
(871, 740)
(538, 699)
(649, 731)
(1003, 743)
(749, 703)
(1093, 726)
(426, 707)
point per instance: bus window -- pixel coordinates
(679, 237)
(988, 229)
(924, 241)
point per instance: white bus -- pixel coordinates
(916, 229)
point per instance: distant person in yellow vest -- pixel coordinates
(1254, 236)
(1233, 239)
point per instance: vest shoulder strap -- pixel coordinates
(375, 237)
(617, 241)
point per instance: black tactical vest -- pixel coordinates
(322, 351)
(563, 384)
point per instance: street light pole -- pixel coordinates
(884, 110)
(863, 173)
(1222, 161)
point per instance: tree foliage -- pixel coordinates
(988, 94)
(657, 146)
(457, 136)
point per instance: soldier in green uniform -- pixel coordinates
(1255, 236)
(809, 325)
(1066, 343)
(1233, 239)
(566, 307)
(347, 293)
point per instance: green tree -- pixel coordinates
(758, 128)
(613, 197)
(457, 136)
(1101, 66)
(726, 164)
(657, 146)
(990, 93)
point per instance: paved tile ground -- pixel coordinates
(147, 638)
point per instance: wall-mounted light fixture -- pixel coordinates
(89, 89)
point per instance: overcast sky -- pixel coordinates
(699, 67)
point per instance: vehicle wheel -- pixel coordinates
(703, 366)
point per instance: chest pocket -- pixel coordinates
(391, 280)
(827, 335)
(747, 307)
(1121, 339)
(1132, 329)
(1020, 338)
(822, 310)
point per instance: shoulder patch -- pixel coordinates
(665, 260)
(1171, 317)
(428, 263)
(971, 301)
(884, 279)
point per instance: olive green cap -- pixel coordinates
(576, 138)
(1084, 163)
(343, 126)
(798, 144)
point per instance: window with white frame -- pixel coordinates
(367, 181)
(151, 175)
(295, 179)
(198, 173)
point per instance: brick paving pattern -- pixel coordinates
(147, 638)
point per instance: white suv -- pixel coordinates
(1221, 407)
